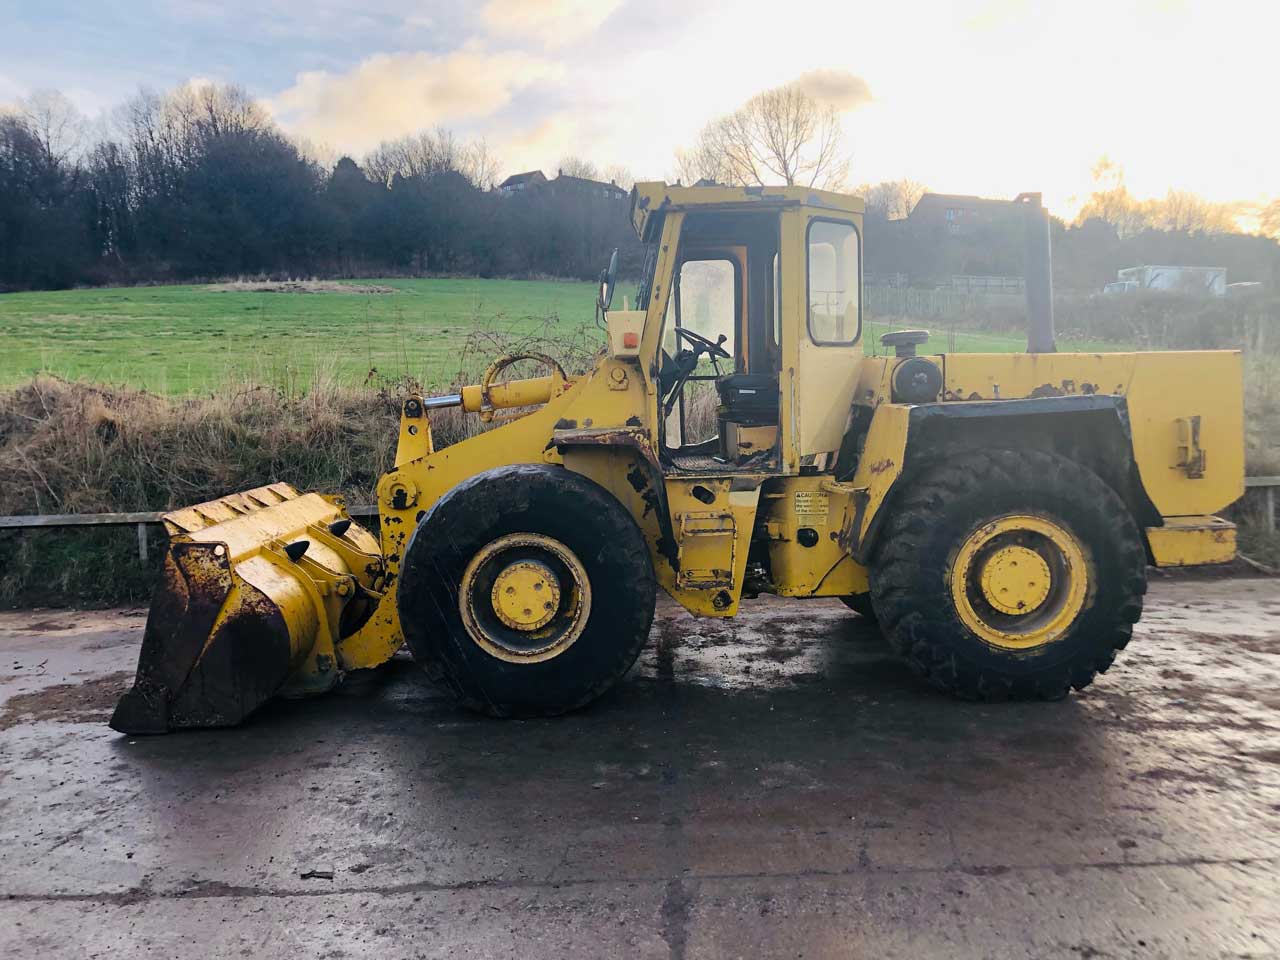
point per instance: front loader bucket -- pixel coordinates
(258, 589)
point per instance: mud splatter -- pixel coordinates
(86, 702)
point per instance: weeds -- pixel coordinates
(73, 447)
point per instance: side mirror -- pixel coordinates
(608, 281)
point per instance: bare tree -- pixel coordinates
(782, 135)
(1112, 203)
(431, 152)
(893, 199)
(56, 123)
(574, 166)
(618, 174)
(480, 165)
(1184, 212)
(422, 154)
(1269, 219)
(702, 162)
(323, 155)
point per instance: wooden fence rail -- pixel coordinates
(143, 520)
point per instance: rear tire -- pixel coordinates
(954, 602)
(540, 527)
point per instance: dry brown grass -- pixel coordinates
(72, 447)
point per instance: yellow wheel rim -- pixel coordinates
(1020, 581)
(524, 598)
(1015, 580)
(525, 595)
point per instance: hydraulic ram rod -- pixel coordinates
(512, 393)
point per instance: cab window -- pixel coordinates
(705, 301)
(835, 311)
(708, 303)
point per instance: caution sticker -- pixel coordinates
(811, 506)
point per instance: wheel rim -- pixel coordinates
(1019, 582)
(525, 598)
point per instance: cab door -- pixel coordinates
(707, 298)
(821, 290)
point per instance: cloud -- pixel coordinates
(544, 141)
(10, 91)
(390, 95)
(836, 88)
(554, 23)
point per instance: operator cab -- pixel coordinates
(721, 352)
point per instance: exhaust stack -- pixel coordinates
(1038, 271)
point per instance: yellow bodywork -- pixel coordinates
(1165, 393)
(253, 530)
(1192, 541)
(818, 510)
(798, 520)
(254, 590)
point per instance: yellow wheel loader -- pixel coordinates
(995, 513)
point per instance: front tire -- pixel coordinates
(860, 603)
(1009, 575)
(527, 591)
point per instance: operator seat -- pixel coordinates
(748, 415)
(749, 399)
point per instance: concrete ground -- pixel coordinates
(772, 786)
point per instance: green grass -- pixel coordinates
(190, 339)
(946, 337)
(183, 339)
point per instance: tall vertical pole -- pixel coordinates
(1038, 273)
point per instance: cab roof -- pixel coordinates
(651, 200)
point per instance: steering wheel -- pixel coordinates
(698, 340)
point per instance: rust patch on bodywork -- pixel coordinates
(648, 486)
(1046, 390)
(637, 479)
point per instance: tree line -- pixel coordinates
(199, 182)
(1113, 230)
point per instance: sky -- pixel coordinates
(989, 97)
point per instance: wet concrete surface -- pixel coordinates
(771, 786)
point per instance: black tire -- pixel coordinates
(945, 505)
(532, 499)
(860, 603)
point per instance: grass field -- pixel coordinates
(191, 339)
(181, 339)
